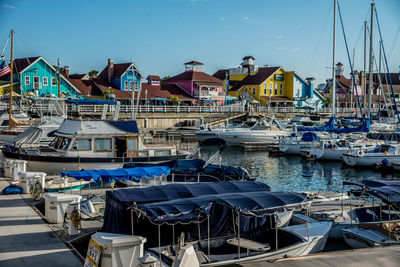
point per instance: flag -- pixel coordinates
(4, 68)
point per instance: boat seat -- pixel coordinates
(249, 244)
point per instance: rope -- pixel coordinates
(5, 45)
(351, 65)
(387, 66)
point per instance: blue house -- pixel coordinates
(124, 76)
(304, 93)
(36, 75)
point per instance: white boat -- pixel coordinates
(206, 132)
(294, 144)
(334, 149)
(383, 153)
(369, 236)
(92, 144)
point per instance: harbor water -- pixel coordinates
(289, 173)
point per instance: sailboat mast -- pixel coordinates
(11, 81)
(364, 77)
(333, 61)
(370, 82)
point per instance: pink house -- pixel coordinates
(201, 86)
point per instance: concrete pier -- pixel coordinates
(25, 239)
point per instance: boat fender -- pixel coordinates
(360, 153)
(36, 190)
(75, 219)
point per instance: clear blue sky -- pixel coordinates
(163, 34)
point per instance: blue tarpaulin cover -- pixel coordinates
(309, 137)
(195, 166)
(387, 190)
(91, 102)
(196, 209)
(128, 126)
(12, 189)
(117, 216)
(118, 174)
(330, 127)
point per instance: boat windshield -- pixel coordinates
(60, 143)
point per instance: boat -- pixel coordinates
(206, 131)
(381, 153)
(92, 144)
(261, 132)
(334, 149)
(293, 144)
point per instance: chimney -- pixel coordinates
(110, 69)
(66, 71)
(339, 69)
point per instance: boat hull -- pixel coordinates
(355, 160)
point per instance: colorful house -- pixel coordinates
(272, 86)
(38, 76)
(124, 76)
(197, 84)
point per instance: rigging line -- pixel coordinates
(387, 66)
(5, 45)
(351, 65)
(319, 40)
(394, 43)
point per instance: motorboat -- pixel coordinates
(207, 131)
(293, 144)
(334, 149)
(371, 235)
(92, 144)
(389, 153)
(264, 132)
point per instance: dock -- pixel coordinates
(384, 256)
(26, 239)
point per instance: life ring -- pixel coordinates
(75, 219)
(36, 190)
(360, 153)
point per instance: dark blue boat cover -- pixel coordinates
(12, 189)
(195, 166)
(196, 209)
(309, 137)
(117, 216)
(128, 126)
(91, 102)
(118, 174)
(330, 127)
(387, 190)
(214, 142)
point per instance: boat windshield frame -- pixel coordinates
(60, 143)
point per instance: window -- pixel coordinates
(27, 80)
(246, 90)
(281, 89)
(143, 153)
(276, 89)
(270, 90)
(270, 87)
(254, 91)
(83, 144)
(132, 86)
(36, 82)
(53, 81)
(132, 144)
(45, 81)
(103, 144)
(159, 153)
(265, 88)
(126, 85)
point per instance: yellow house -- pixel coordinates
(266, 85)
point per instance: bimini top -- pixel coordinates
(197, 209)
(90, 102)
(118, 174)
(387, 190)
(69, 128)
(117, 216)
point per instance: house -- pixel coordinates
(124, 76)
(268, 85)
(36, 75)
(197, 84)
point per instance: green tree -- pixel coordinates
(93, 73)
(165, 78)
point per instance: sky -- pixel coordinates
(161, 35)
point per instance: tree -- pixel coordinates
(174, 99)
(93, 73)
(165, 78)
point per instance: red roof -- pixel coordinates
(119, 69)
(220, 74)
(154, 77)
(86, 87)
(193, 63)
(77, 76)
(21, 63)
(256, 79)
(195, 76)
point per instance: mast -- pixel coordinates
(370, 82)
(365, 66)
(59, 76)
(10, 126)
(352, 84)
(333, 61)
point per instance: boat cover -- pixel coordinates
(29, 136)
(214, 142)
(117, 216)
(392, 136)
(118, 174)
(387, 190)
(330, 127)
(309, 137)
(196, 209)
(128, 126)
(91, 102)
(195, 166)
